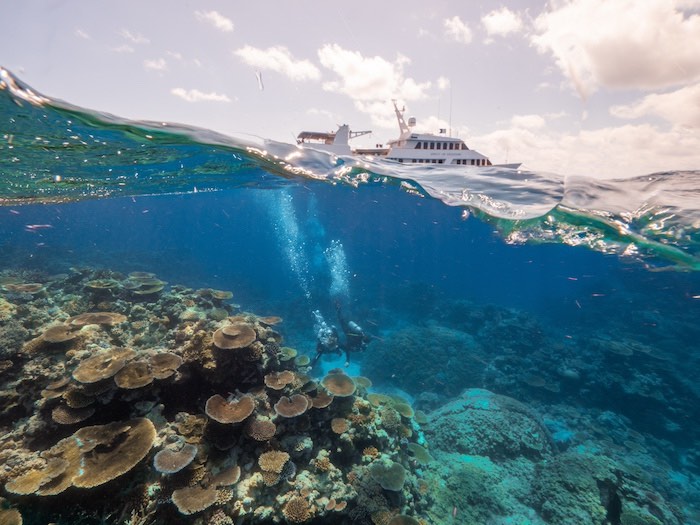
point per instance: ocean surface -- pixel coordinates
(529, 344)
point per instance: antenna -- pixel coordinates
(450, 118)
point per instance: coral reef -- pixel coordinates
(189, 409)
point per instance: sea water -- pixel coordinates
(546, 328)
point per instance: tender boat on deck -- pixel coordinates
(409, 148)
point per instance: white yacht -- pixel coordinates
(409, 148)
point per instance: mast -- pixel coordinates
(403, 127)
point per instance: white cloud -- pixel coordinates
(443, 83)
(502, 22)
(279, 59)
(621, 44)
(528, 121)
(457, 30)
(124, 48)
(680, 107)
(194, 95)
(216, 19)
(82, 34)
(157, 64)
(134, 38)
(612, 152)
(369, 78)
(370, 81)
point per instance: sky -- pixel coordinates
(602, 88)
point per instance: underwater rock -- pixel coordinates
(12, 337)
(482, 423)
(419, 359)
(582, 487)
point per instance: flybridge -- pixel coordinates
(335, 142)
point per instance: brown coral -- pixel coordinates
(260, 429)
(108, 318)
(30, 481)
(297, 510)
(77, 399)
(190, 500)
(108, 451)
(30, 288)
(103, 365)
(322, 400)
(273, 461)
(339, 425)
(227, 412)
(90, 457)
(64, 415)
(59, 333)
(234, 335)
(292, 406)
(133, 375)
(171, 461)
(339, 384)
(164, 364)
(228, 476)
(10, 517)
(278, 380)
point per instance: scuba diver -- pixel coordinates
(327, 340)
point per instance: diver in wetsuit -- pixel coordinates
(328, 342)
(356, 339)
(326, 338)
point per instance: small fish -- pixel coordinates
(35, 227)
(577, 303)
(454, 512)
(14, 212)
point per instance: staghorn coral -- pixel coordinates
(273, 461)
(297, 510)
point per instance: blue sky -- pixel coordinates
(607, 88)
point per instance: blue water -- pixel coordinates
(579, 299)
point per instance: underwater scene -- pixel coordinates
(213, 330)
